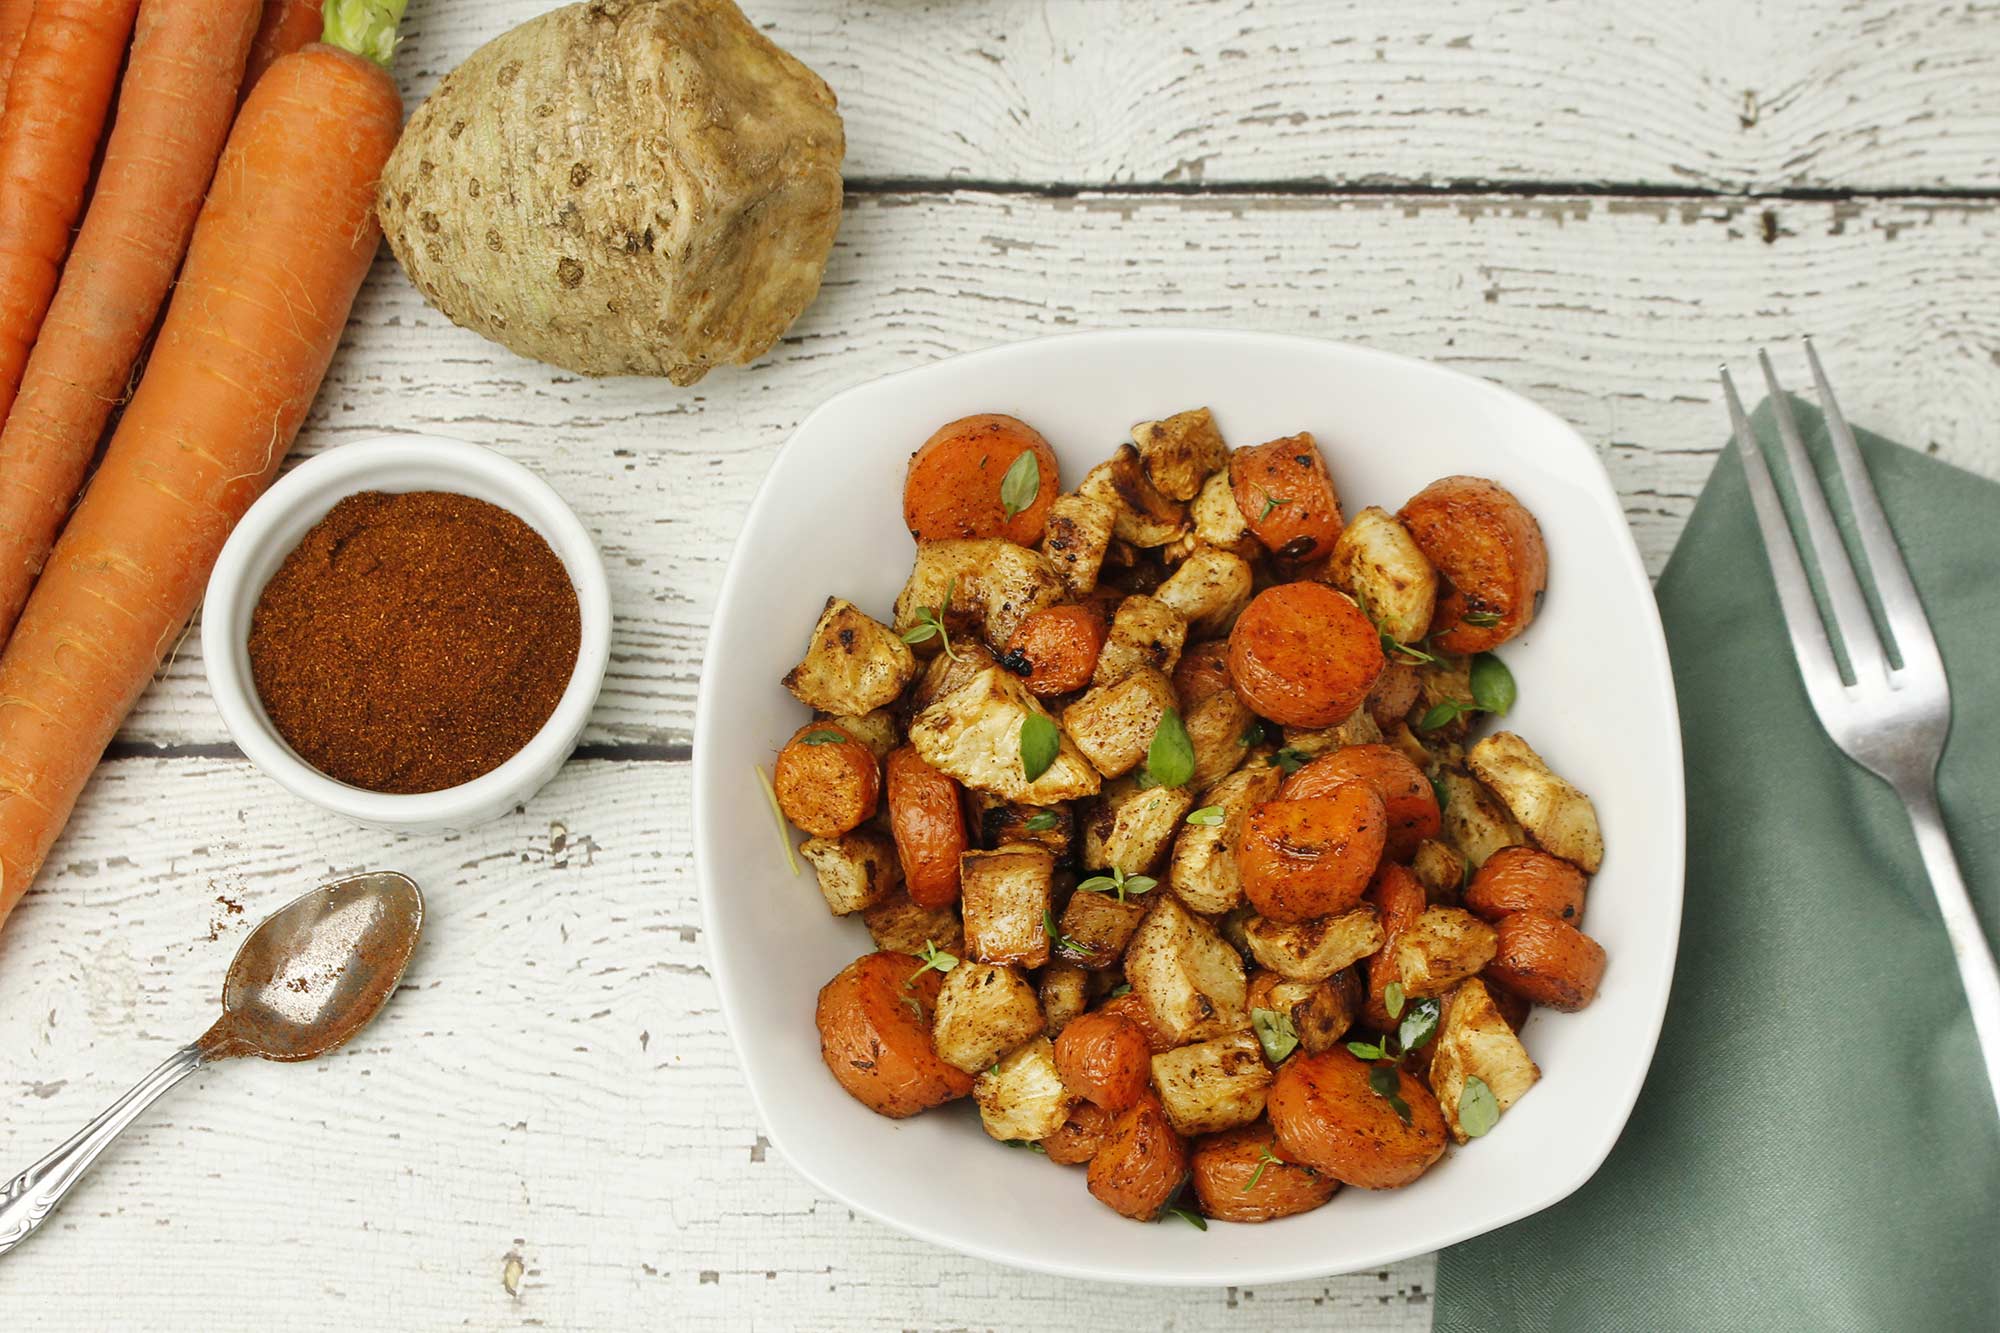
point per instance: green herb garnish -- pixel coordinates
(1043, 822)
(1388, 1086)
(1482, 619)
(1443, 715)
(1040, 743)
(930, 623)
(1478, 1108)
(935, 960)
(824, 736)
(1392, 999)
(1419, 1024)
(1022, 483)
(1264, 1158)
(1118, 883)
(1271, 502)
(1029, 1144)
(1122, 988)
(1170, 760)
(1275, 1033)
(1063, 943)
(1193, 1219)
(1209, 816)
(1492, 684)
(778, 813)
(1443, 794)
(1252, 734)
(1409, 652)
(1290, 760)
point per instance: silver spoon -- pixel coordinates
(303, 982)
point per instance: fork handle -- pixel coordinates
(1961, 925)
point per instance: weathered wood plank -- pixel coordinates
(1711, 94)
(552, 1083)
(1611, 312)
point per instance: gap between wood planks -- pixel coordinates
(1317, 188)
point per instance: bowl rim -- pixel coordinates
(706, 850)
(319, 483)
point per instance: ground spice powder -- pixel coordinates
(414, 641)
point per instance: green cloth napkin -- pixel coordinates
(1815, 1147)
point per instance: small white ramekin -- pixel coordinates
(277, 522)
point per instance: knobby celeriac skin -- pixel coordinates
(1196, 844)
(622, 188)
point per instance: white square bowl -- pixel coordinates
(1596, 699)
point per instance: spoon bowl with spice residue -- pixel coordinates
(304, 982)
(408, 631)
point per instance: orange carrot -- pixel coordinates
(174, 110)
(282, 244)
(287, 26)
(56, 102)
(13, 22)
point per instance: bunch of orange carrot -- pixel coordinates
(238, 173)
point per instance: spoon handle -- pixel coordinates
(27, 1199)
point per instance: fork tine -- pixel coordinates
(1816, 665)
(1908, 625)
(1851, 616)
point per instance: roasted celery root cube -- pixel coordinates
(1145, 633)
(1203, 872)
(1064, 990)
(1475, 1041)
(856, 871)
(1097, 927)
(877, 730)
(899, 924)
(1357, 729)
(1216, 727)
(1440, 869)
(1021, 1098)
(999, 822)
(1445, 679)
(1441, 948)
(1475, 822)
(1078, 535)
(1212, 1085)
(1181, 451)
(983, 1011)
(1112, 726)
(945, 674)
(1219, 521)
(1380, 565)
(973, 734)
(1209, 589)
(1141, 515)
(853, 663)
(1132, 826)
(1188, 977)
(1314, 950)
(1006, 896)
(1320, 1012)
(980, 584)
(1560, 819)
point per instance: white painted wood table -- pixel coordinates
(1589, 203)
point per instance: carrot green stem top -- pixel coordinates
(365, 27)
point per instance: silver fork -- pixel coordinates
(1893, 715)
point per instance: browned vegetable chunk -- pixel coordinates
(1142, 1162)
(1078, 1138)
(953, 486)
(1130, 1006)
(1305, 859)
(1055, 649)
(1303, 655)
(1203, 670)
(1547, 960)
(1239, 1177)
(1327, 1116)
(1488, 549)
(929, 827)
(1104, 1057)
(1401, 900)
(1287, 497)
(827, 781)
(1521, 879)
(875, 1035)
(1406, 793)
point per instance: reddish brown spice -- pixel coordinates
(413, 642)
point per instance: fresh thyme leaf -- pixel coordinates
(1118, 883)
(1022, 483)
(1387, 1085)
(1193, 1219)
(1492, 684)
(924, 629)
(1170, 760)
(1409, 652)
(1264, 1158)
(935, 959)
(1042, 822)
(1271, 502)
(1392, 999)
(1252, 734)
(1443, 715)
(915, 1008)
(1140, 883)
(1483, 619)
(777, 813)
(1289, 759)
(1209, 816)
(1029, 1144)
(1062, 942)
(1122, 988)
(1040, 743)
(1275, 1033)
(1366, 1050)
(1478, 1109)
(824, 736)
(1419, 1025)
(1443, 794)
